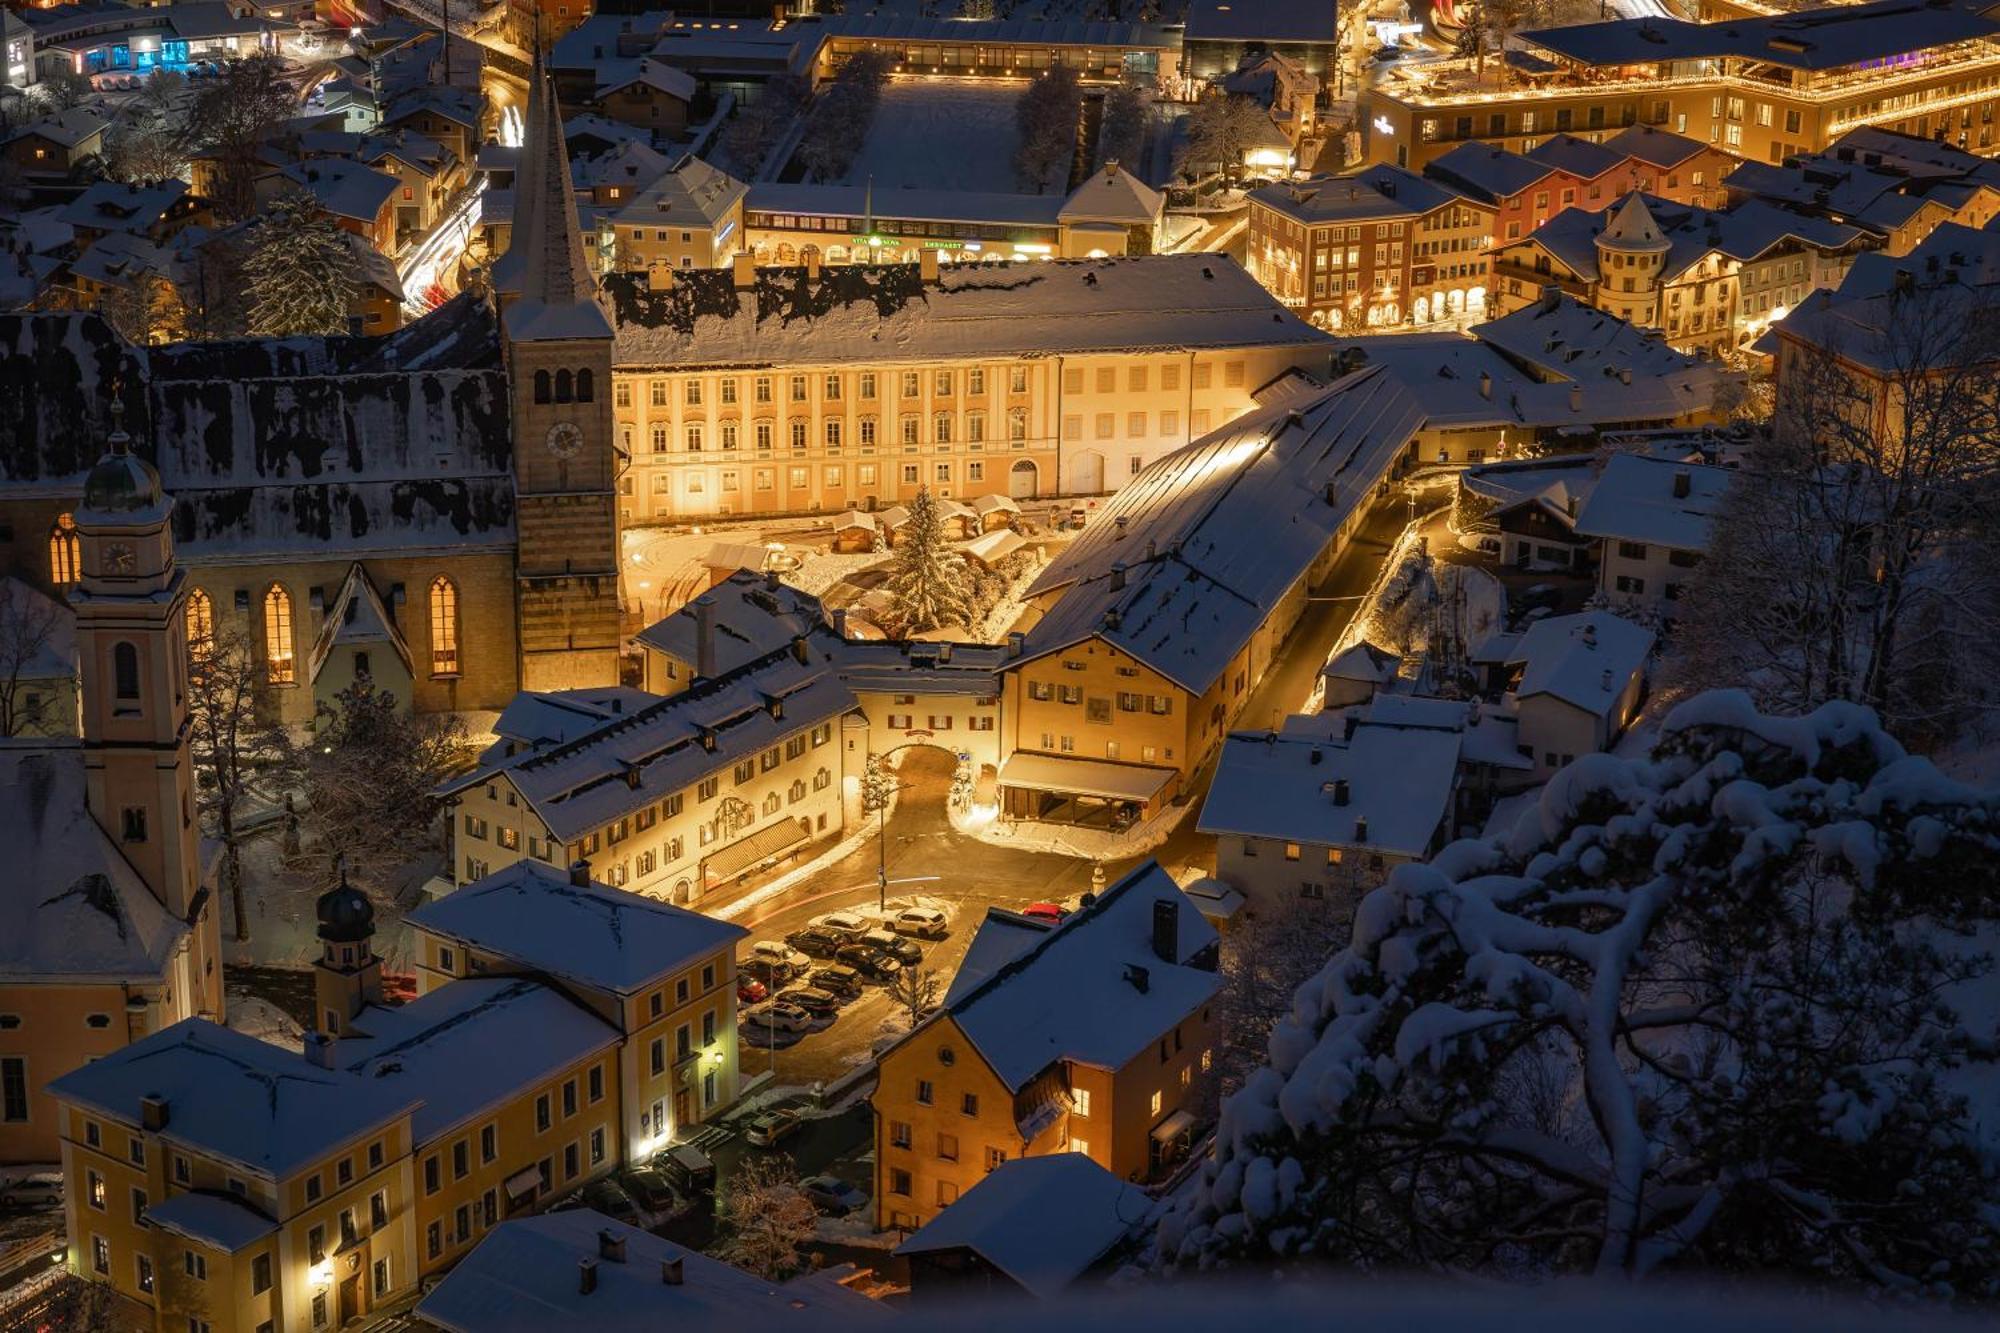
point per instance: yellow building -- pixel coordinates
(1762, 87)
(112, 925)
(227, 1185)
(1088, 1038)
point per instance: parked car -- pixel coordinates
(769, 975)
(749, 990)
(844, 983)
(872, 964)
(34, 1190)
(1383, 55)
(833, 1196)
(924, 922)
(819, 1003)
(688, 1167)
(849, 925)
(1051, 912)
(568, 1203)
(607, 1197)
(905, 951)
(815, 941)
(772, 1128)
(650, 1189)
(782, 954)
(777, 1016)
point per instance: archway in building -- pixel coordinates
(1476, 299)
(1086, 475)
(836, 254)
(808, 253)
(1024, 480)
(787, 254)
(1392, 313)
(1335, 318)
(1421, 311)
(1455, 301)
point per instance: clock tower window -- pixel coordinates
(542, 394)
(125, 671)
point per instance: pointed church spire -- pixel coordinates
(545, 270)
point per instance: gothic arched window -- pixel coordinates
(444, 627)
(200, 617)
(279, 661)
(65, 557)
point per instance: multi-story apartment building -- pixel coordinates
(112, 926)
(741, 390)
(1708, 280)
(1371, 250)
(218, 1182)
(689, 215)
(1087, 1038)
(673, 796)
(1527, 189)
(1763, 88)
(1896, 187)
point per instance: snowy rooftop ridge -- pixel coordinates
(589, 934)
(1643, 499)
(1042, 1221)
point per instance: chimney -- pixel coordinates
(610, 1246)
(152, 1113)
(586, 1276)
(1016, 641)
(1316, 757)
(1140, 978)
(659, 278)
(1551, 298)
(800, 654)
(1576, 398)
(704, 637)
(1605, 684)
(743, 271)
(672, 1271)
(1589, 634)
(1340, 790)
(1485, 384)
(1625, 375)
(579, 873)
(1118, 576)
(771, 580)
(1683, 482)
(319, 1050)
(1361, 829)
(1332, 492)
(927, 266)
(840, 621)
(1166, 930)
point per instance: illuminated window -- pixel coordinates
(444, 627)
(64, 560)
(200, 617)
(283, 667)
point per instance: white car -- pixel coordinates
(777, 954)
(776, 1015)
(37, 1189)
(924, 922)
(851, 924)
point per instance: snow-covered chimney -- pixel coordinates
(672, 1271)
(319, 1050)
(1485, 384)
(579, 873)
(1576, 398)
(743, 271)
(1589, 634)
(1118, 576)
(1016, 641)
(586, 1276)
(704, 637)
(840, 621)
(927, 266)
(610, 1246)
(1605, 683)
(1341, 791)
(1683, 483)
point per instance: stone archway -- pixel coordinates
(1023, 480)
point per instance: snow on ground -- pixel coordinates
(257, 1017)
(940, 134)
(1088, 844)
(822, 569)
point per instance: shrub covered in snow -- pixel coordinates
(1715, 1009)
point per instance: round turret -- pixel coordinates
(345, 915)
(122, 482)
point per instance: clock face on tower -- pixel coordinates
(118, 558)
(565, 438)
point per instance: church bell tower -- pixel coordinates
(131, 642)
(558, 341)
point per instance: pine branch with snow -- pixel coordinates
(1720, 1009)
(928, 585)
(301, 270)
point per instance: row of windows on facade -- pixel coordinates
(731, 482)
(280, 652)
(1097, 708)
(833, 385)
(945, 430)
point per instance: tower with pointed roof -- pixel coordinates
(1631, 257)
(347, 975)
(558, 339)
(131, 642)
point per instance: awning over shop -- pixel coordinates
(767, 842)
(1084, 777)
(522, 1183)
(1173, 1127)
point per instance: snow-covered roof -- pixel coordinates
(522, 1278)
(997, 941)
(1746, 232)
(1585, 660)
(879, 313)
(1037, 31)
(466, 1048)
(995, 545)
(1949, 280)
(754, 616)
(910, 666)
(1576, 157)
(654, 74)
(356, 618)
(1560, 336)
(231, 1096)
(343, 188)
(53, 652)
(219, 1221)
(1488, 171)
(68, 128)
(1822, 38)
(1260, 21)
(1398, 784)
(1073, 994)
(1113, 194)
(690, 190)
(550, 717)
(1375, 192)
(904, 204)
(1362, 661)
(1042, 1221)
(74, 907)
(590, 935)
(1636, 499)
(123, 206)
(1188, 558)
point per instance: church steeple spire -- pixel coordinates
(544, 278)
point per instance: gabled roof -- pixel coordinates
(1114, 194)
(589, 935)
(1074, 994)
(754, 616)
(1398, 784)
(356, 618)
(68, 128)
(1655, 146)
(344, 188)
(220, 1221)
(551, 717)
(1585, 660)
(1577, 157)
(1634, 500)
(1487, 171)
(1829, 37)
(232, 1096)
(1042, 1221)
(689, 189)
(74, 908)
(1189, 557)
(1379, 191)
(653, 74)
(121, 206)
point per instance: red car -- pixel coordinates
(1051, 912)
(749, 990)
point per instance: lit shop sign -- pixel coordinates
(725, 231)
(1382, 126)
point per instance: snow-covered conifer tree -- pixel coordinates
(928, 585)
(300, 271)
